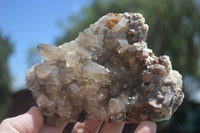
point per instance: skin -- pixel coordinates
(32, 122)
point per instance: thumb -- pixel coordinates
(146, 127)
(29, 122)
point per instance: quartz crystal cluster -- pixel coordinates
(106, 73)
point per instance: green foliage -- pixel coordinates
(174, 31)
(5, 50)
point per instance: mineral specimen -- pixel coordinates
(106, 73)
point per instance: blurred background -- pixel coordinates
(174, 31)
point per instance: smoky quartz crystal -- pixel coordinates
(106, 73)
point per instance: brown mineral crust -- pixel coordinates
(106, 73)
(112, 22)
(140, 113)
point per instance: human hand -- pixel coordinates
(94, 126)
(32, 122)
(29, 122)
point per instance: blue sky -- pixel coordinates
(31, 22)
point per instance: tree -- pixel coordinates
(174, 31)
(5, 80)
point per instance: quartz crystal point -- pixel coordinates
(106, 73)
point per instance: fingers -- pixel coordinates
(49, 129)
(30, 122)
(116, 127)
(146, 127)
(88, 126)
(92, 126)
